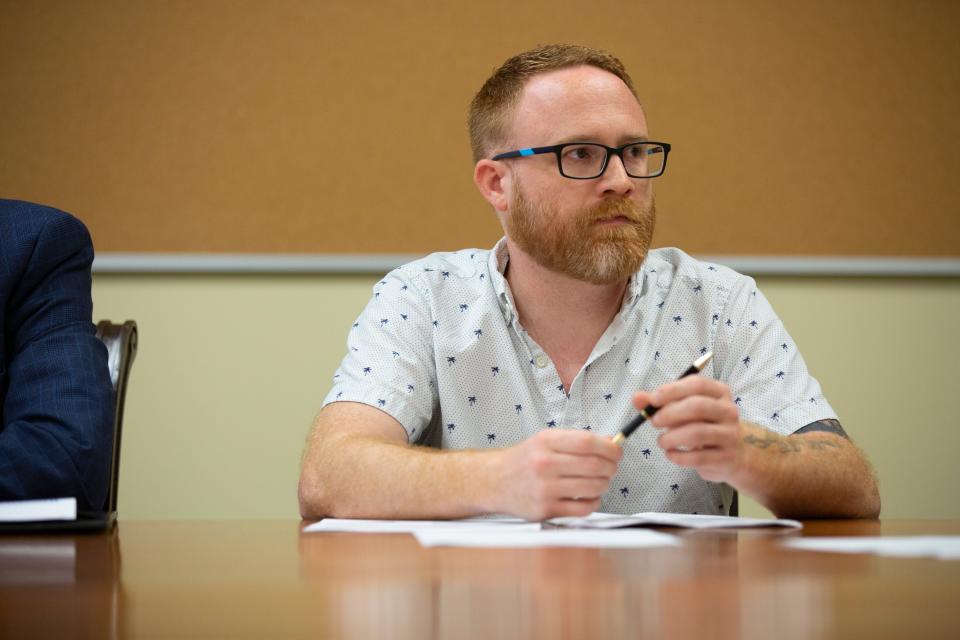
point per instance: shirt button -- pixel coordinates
(541, 361)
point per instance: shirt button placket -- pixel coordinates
(547, 380)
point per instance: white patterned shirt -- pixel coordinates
(440, 348)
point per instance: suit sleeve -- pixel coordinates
(58, 412)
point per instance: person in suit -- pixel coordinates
(56, 398)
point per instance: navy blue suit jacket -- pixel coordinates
(56, 398)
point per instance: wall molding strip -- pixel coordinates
(193, 263)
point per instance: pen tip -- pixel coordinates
(702, 361)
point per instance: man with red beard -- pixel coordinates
(493, 381)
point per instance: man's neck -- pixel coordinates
(564, 315)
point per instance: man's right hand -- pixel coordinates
(359, 465)
(556, 473)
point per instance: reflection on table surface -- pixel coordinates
(267, 579)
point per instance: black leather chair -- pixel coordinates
(121, 342)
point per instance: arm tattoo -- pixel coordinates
(768, 440)
(830, 426)
(787, 444)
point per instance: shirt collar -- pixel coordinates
(499, 258)
(636, 288)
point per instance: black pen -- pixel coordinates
(647, 412)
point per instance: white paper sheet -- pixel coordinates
(689, 521)
(597, 530)
(523, 538)
(496, 532)
(942, 547)
(410, 526)
(36, 510)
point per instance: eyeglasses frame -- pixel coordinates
(617, 151)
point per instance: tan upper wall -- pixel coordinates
(799, 127)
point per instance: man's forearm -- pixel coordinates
(356, 476)
(809, 475)
(358, 464)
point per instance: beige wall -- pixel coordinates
(231, 370)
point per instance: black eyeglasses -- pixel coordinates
(588, 160)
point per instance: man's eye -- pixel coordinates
(581, 153)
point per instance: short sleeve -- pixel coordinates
(761, 363)
(389, 363)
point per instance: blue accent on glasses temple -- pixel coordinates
(526, 152)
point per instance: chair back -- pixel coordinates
(121, 343)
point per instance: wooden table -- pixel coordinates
(265, 579)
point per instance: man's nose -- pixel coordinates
(615, 179)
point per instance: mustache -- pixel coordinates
(616, 208)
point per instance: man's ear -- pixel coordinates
(493, 181)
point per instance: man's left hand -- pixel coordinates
(701, 425)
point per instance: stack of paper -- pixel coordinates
(38, 510)
(596, 530)
(687, 521)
